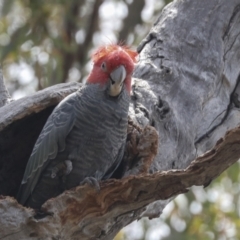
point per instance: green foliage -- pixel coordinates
(53, 38)
(41, 33)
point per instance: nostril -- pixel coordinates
(112, 81)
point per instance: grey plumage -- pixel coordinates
(88, 128)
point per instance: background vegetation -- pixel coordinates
(49, 42)
(43, 43)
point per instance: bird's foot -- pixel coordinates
(61, 169)
(93, 182)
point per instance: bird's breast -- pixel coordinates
(100, 127)
(97, 136)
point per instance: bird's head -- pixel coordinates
(113, 66)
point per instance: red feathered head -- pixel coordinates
(108, 58)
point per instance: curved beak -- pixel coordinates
(117, 78)
(119, 74)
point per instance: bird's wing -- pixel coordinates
(49, 143)
(116, 163)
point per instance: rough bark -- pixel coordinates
(188, 77)
(4, 95)
(186, 86)
(83, 213)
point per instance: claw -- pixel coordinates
(62, 168)
(93, 182)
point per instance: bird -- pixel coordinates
(83, 139)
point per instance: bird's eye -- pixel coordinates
(104, 66)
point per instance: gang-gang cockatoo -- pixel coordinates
(83, 139)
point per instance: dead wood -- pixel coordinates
(186, 86)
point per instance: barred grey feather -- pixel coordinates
(88, 128)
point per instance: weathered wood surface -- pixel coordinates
(41, 100)
(187, 80)
(186, 86)
(83, 213)
(4, 95)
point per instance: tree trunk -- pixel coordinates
(185, 85)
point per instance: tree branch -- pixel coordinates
(187, 86)
(70, 29)
(92, 25)
(133, 18)
(4, 95)
(83, 213)
(188, 75)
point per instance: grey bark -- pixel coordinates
(4, 95)
(186, 84)
(83, 213)
(187, 79)
(36, 103)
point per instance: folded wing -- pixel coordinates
(49, 143)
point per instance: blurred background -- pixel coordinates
(43, 43)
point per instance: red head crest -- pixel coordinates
(112, 56)
(106, 50)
